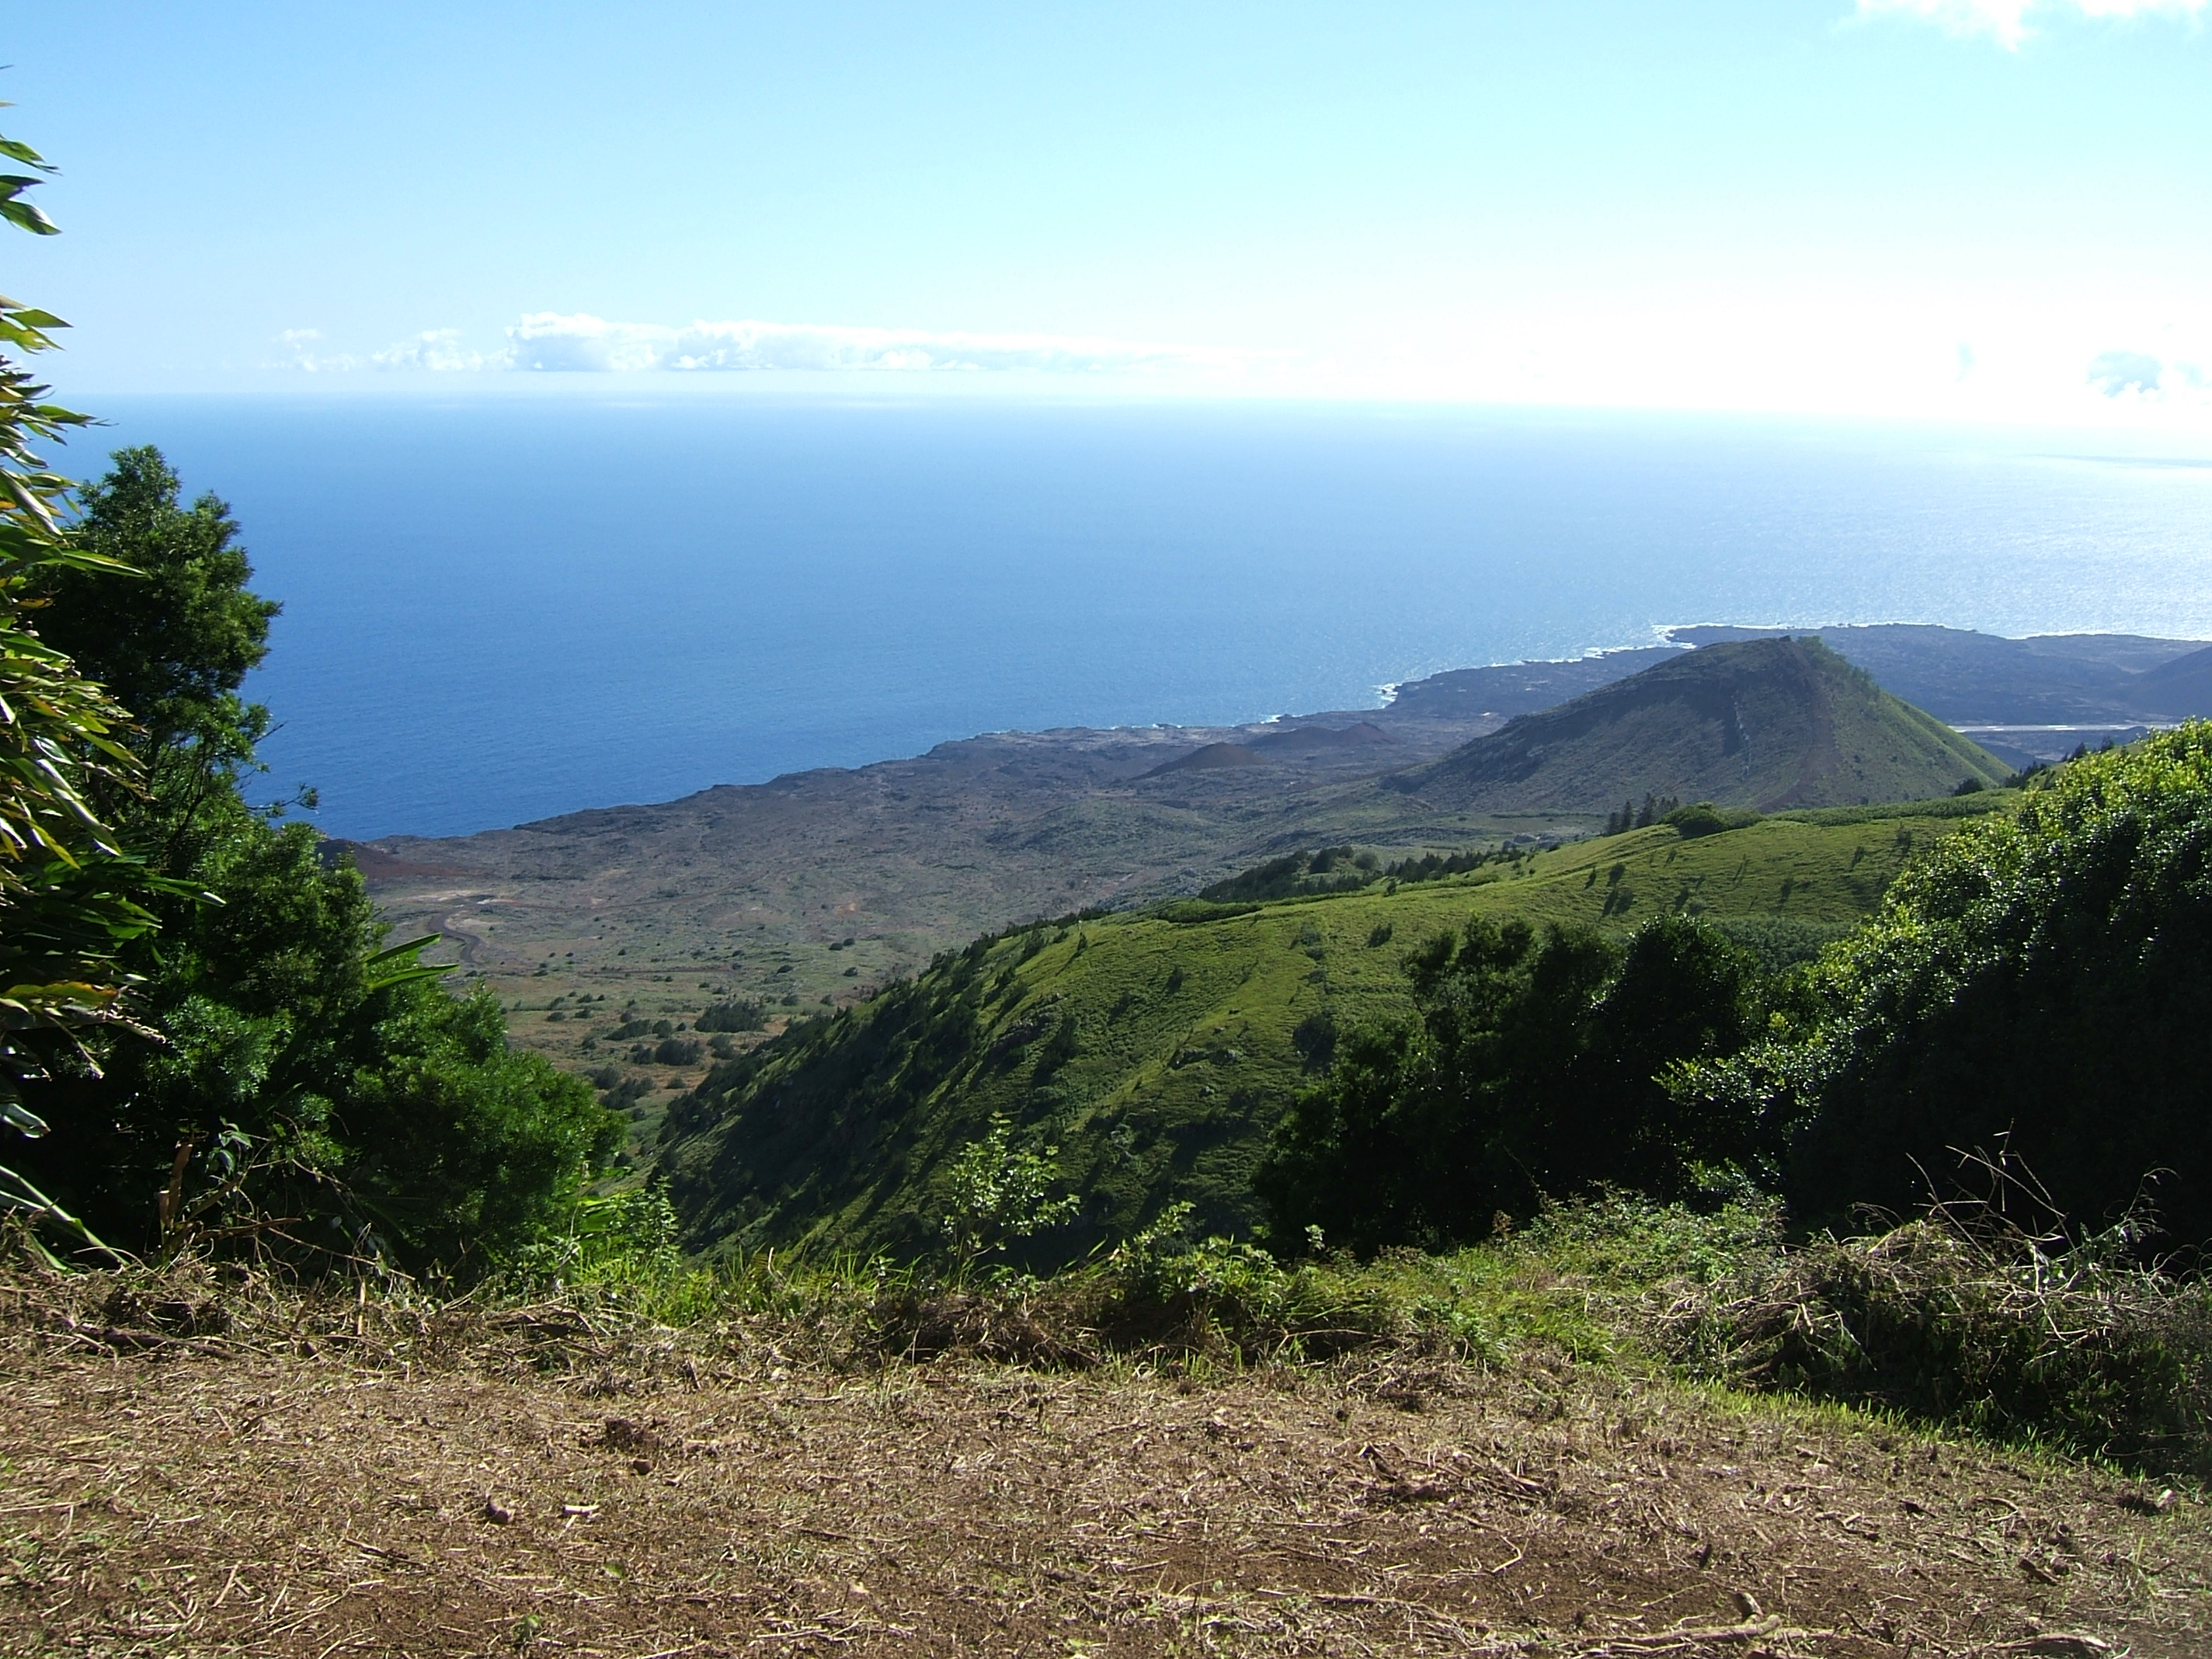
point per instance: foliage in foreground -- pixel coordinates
(2037, 986)
(2079, 1352)
(68, 895)
(1962, 1319)
(1956, 1320)
(299, 1085)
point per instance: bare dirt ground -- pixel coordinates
(168, 1495)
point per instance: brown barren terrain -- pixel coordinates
(540, 1481)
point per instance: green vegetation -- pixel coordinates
(2036, 990)
(1555, 1032)
(206, 1037)
(1001, 1194)
(745, 1016)
(1536, 1071)
(1331, 870)
(69, 896)
(297, 1082)
(1963, 1318)
(1159, 1050)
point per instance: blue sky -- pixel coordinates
(1947, 208)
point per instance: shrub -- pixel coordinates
(742, 1015)
(1704, 818)
(998, 1192)
(2044, 984)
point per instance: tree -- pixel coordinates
(1538, 1070)
(377, 1108)
(175, 646)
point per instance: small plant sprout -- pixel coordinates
(1000, 1195)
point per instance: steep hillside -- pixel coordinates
(1770, 724)
(2178, 688)
(1156, 1051)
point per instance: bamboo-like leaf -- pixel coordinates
(16, 1192)
(17, 150)
(26, 214)
(64, 912)
(394, 952)
(399, 967)
(15, 1113)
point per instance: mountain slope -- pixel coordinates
(2178, 688)
(1156, 1051)
(1770, 724)
(1970, 679)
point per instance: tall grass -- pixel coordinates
(1960, 1319)
(2083, 1348)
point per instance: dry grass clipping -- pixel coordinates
(199, 1468)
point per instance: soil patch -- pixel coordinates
(190, 1495)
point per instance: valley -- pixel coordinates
(1155, 1049)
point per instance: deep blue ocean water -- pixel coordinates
(503, 608)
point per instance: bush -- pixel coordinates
(2041, 984)
(742, 1015)
(1706, 819)
(462, 1148)
(997, 1195)
(1780, 943)
(1330, 870)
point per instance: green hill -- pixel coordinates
(1770, 724)
(1156, 1051)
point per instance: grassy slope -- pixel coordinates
(1157, 1053)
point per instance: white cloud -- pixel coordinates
(439, 350)
(552, 342)
(2118, 372)
(2010, 20)
(296, 342)
(1964, 359)
(548, 341)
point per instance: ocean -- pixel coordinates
(501, 608)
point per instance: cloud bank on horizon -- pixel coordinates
(2011, 21)
(1877, 364)
(550, 342)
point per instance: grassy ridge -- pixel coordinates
(1156, 1051)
